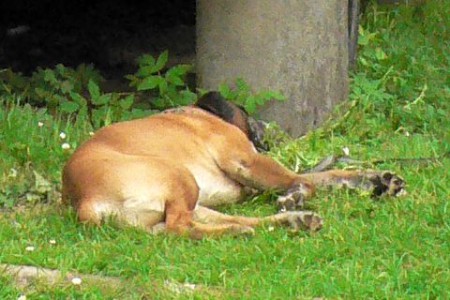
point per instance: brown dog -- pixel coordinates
(166, 171)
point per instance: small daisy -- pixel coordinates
(65, 146)
(52, 242)
(346, 151)
(62, 135)
(30, 248)
(76, 281)
(91, 133)
(40, 124)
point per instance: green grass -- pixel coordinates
(392, 248)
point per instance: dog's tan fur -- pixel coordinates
(166, 171)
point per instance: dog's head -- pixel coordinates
(236, 115)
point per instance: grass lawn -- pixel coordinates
(393, 248)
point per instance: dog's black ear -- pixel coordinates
(216, 104)
(234, 114)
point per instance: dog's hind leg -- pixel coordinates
(198, 222)
(294, 220)
(180, 205)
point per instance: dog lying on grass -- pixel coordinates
(166, 172)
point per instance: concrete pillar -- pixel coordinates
(298, 47)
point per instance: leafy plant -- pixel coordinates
(242, 95)
(106, 108)
(166, 87)
(395, 91)
(57, 88)
(71, 91)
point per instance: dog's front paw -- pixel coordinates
(301, 220)
(387, 184)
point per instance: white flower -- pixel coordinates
(52, 242)
(22, 297)
(407, 133)
(76, 281)
(346, 151)
(65, 146)
(40, 124)
(62, 135)
(30, 248)
(91, 133)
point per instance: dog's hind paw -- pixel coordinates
(302, 220)
(241, 230)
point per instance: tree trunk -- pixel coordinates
(296, 47)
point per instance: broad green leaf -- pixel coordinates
(187, 97)
(380, 54)
(161, 62)
(261, 99)
(138, 113)
(94, 90)
(145, 71)
(363, 40)
(163, 87)
(69, 107)
(78, 98)
(102, 100)
(127, 102)
(149, 83)
(174, 79)
(242, 85)
(250, 106)
(224, 90)
(146, 60)
(49, 76)
(180, 70)
(277, 96)
(159, 103)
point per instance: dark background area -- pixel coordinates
(108, 34)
